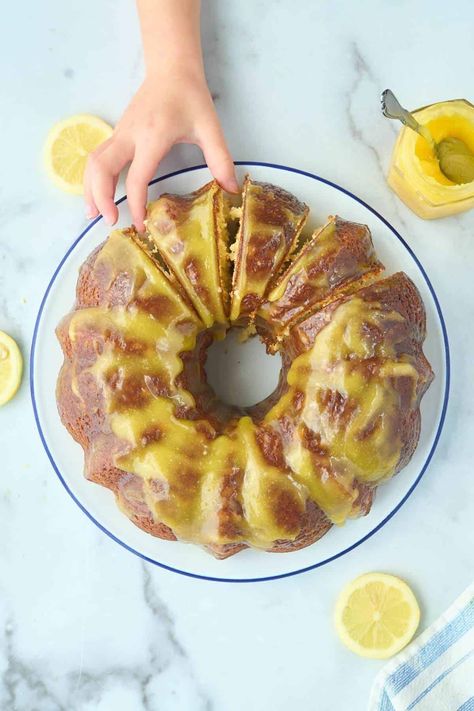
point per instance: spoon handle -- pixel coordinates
(391, 108)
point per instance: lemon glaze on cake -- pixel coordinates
(270, 225)
(339, 255)
(276, 476)
(189, 232)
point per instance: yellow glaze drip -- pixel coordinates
(145, 283)
(184, 474)
(136, 344)
(120, 255)
(171, 466)
(285, 302)
(322, 243)
(152, 317)
(182, 466)
(263, 487)
(262, 243)
(337, 257)
(360, 433)
(190, 233)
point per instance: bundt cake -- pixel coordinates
(184, 465)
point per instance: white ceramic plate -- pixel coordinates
(98, 503)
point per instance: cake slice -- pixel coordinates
(396, 295)
(271, 222)
(124, 272)
(337, 258)
(190, 233)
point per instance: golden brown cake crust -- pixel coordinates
(398, 294)
(339, 258)
(190, 233)
(259, 496)
(272, 220)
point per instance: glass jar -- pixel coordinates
(414, 172)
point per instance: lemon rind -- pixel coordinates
(54, 133)
(399, 642)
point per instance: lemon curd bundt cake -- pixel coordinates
(184, 465)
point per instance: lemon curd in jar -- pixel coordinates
(415, 173)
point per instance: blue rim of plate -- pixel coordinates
(394, 510)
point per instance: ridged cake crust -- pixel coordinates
(189, 232)
(270, 225)
(183, 465)
(339, 256)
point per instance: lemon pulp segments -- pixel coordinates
(67, 147)
(376, 615)
(11, 368)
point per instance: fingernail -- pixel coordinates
(90, 212)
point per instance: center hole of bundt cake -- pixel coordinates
(241, 374)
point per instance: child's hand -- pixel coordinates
(176, 108)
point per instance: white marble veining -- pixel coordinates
(84, 625)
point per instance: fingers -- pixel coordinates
(218, 158)
(140, 173)
(102, 172)
(103, 189)
(91, 207)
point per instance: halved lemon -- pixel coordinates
(68, 144)
(376, 615)
(11, 368)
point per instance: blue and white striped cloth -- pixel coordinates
(436, 671)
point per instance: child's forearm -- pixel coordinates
(171, 35)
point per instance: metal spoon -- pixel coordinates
(391, 108)
(455, 159)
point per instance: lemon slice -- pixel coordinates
(68, 144)
(11, 368)
(376, 615)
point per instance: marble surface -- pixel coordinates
(84, 625)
